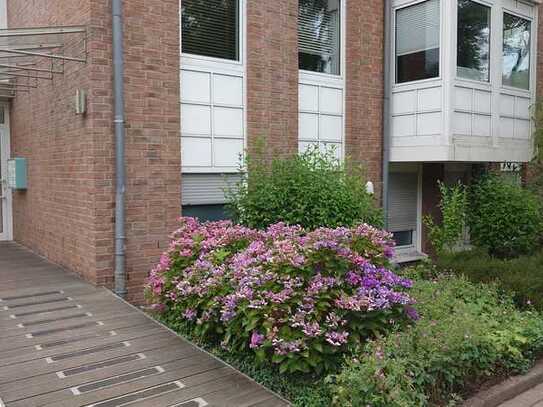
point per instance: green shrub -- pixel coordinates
(446, 236)
(522, 277)
(312, 190)
(504, 218)
(297, 299)
(467, 333)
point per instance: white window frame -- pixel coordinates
(533, 50)
(227, 67)
(393, 68)
(491, 68)
(324, 80)
(242, 11)
(416, 245)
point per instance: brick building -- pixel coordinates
(204, 80)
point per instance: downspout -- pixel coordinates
(118, 96)
(387, 49)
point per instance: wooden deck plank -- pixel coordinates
(68, 348)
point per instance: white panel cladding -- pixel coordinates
(480, 121)
(417, 113)
(212, 107)
(321, 113)
(472, 113)
(206, 189)
(514, 116)
(213, 110)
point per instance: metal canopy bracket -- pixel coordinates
(28, 55)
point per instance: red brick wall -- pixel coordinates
(272, 74)
(153, 133)
(55, 216)
(365, 86)
(431, 174)
(67, 214)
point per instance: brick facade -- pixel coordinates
(272, 75)
(365, 86)
(55, 217)
(67, 214)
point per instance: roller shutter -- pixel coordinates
(403, 202)
(206, 189)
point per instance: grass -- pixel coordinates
(521, 277)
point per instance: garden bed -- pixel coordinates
(319, 318)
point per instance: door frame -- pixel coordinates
(5, 153)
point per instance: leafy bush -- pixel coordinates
(466, 334)
(296, 299)
(521, 277)
(313, 190)
(504, 218)
(446, 236)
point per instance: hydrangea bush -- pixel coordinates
(298, 299)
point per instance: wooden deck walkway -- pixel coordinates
(65, 343)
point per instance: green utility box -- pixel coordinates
(17, 173)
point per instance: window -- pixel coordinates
(403, 238)
(473, 49)
(319, 36)
(516, 51)
(210, 28)
(403, 211)
(417, 42)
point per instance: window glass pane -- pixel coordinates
(516, 51)
(319, 36)
(417, 42)
(404, 238)
(210, 28)
(473, 54)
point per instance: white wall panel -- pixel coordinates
(429, 99)
(308, 98)
(227, 90)
(429, 124)
(522, 129)
(321, 118)
(196, 120)
(309, 126)
(227, 152)
(481, 125)
(463, 98)
(196, 152)
(331, 100)
(482, 101)
(522, 108)
(228, 122)
(404, 102)
(331, 128)
(507, 127)
(195, 87)
(462, 124)
(403, 126)
(507, 105)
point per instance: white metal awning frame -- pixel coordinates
(30, 55)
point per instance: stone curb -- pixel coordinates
(507, 390)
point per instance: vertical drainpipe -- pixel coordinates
(387, 48)
(118, 96)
